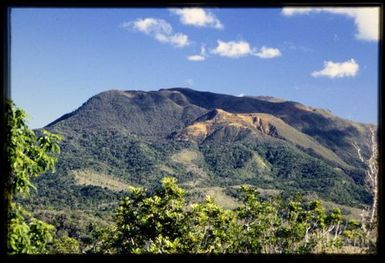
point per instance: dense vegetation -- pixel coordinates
(29, 156)
(160, 221)
(132, 135)
(137, 162)
(118, 140)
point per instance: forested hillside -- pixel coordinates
(211, 143)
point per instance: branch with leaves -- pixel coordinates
(29, 156)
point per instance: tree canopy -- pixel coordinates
(161, 221)
(29, 156)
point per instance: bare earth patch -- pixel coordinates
(89, 177)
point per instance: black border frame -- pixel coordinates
(5, 93)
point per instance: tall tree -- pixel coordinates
(29, 156)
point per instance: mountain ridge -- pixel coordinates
(206, 140)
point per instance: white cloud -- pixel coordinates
(241, 95)
(151, 25)
(196, 58)
(289, 11)
(178, 39)
(338, 70)
(158, 29)
(233, 49)
(365, 18)
(266, 52)
(200, 57)
(198, 17)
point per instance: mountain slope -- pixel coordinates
(259, 124)
(131, 112)
(337, 134)
(206, 140)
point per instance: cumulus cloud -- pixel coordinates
(178, 39)
(159, 29)
(338, 70)
(198, 17)
(366, 19)
(237, 49)
(233, 49)
(266, 52)
(200, 57)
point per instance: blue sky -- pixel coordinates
(324, 58)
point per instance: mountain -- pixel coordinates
(331, 131)
(133, 112)
(260, 125)
(211, 142)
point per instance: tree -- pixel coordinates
(211, 229)
(64, 245)
(29, 156)
(149, 221)
(369, 214)
(160, 221)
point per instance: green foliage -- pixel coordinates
(354, 234)
(64, 245)
(224, 158)
(27, 235)
(211, 229)
(147, 221)
(29, 156)
(160, 221)
(131, 134)
(308, 174)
